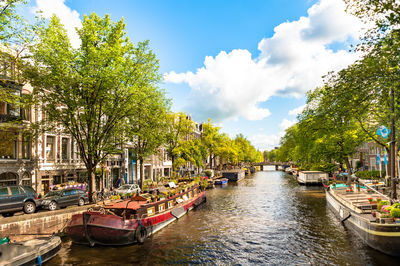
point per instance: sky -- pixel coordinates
(245, 64)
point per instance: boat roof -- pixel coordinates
(127, 204)
(312, 172)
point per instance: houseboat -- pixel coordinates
(234, 175)
(131, 221)
(358, 213)
(311, 177)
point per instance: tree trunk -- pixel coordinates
(92, 183)
(348, 166)
(211, 161)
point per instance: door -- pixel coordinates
(4, 198)
(74, 197)
(64, 198)
(17, 197)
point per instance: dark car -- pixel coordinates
(17, 198)
(64, 198)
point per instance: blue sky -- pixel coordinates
(245, 64)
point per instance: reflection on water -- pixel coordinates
(265, 219)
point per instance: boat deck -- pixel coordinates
(359, 199)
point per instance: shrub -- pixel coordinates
(208, 173)
(396, 205)
(382, 203)
(370, 174)
(395, 212)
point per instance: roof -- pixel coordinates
(134, 205)
(312, 172)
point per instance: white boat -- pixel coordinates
(311, 177)
(32, 252)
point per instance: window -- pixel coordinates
(64, 149)
(3, 192)
(56, 180)
(15, 190)
(72, 149)
(50, 148)
(3, 110)
(26, 114)
(161, 207)
(151, 211)
(26, 147)
(8, 145)
(26, 180)
(170, 204)
(8, 179)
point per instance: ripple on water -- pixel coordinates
(266, 219)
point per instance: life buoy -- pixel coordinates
(141, 233)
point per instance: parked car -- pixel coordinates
(128, 189)
(17, 198)
(63, 198)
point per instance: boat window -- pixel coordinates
(190, 194)
(151, 211)
(161, 207)
(170, 204)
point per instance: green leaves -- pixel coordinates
(103, 93)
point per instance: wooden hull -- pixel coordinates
(106, 229)
(382, 237)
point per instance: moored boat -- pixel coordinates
(356, 212)
(31, 252)
(221, 181)
(312, 178)
(131, 221)
(234, 175)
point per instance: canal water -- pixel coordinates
(266, 219)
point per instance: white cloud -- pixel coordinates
(291, 62)
(285, 124)
(264, 142)
(69, 18)
(297, 110)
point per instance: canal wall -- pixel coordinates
(27, 226)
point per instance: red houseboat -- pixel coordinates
(131, 221)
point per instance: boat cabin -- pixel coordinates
(312, 177)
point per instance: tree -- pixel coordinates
(180, 129)
(15, 35)
(88, 92)
(227, 150)
(189, 151)
(210, 139)
(148, 127)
